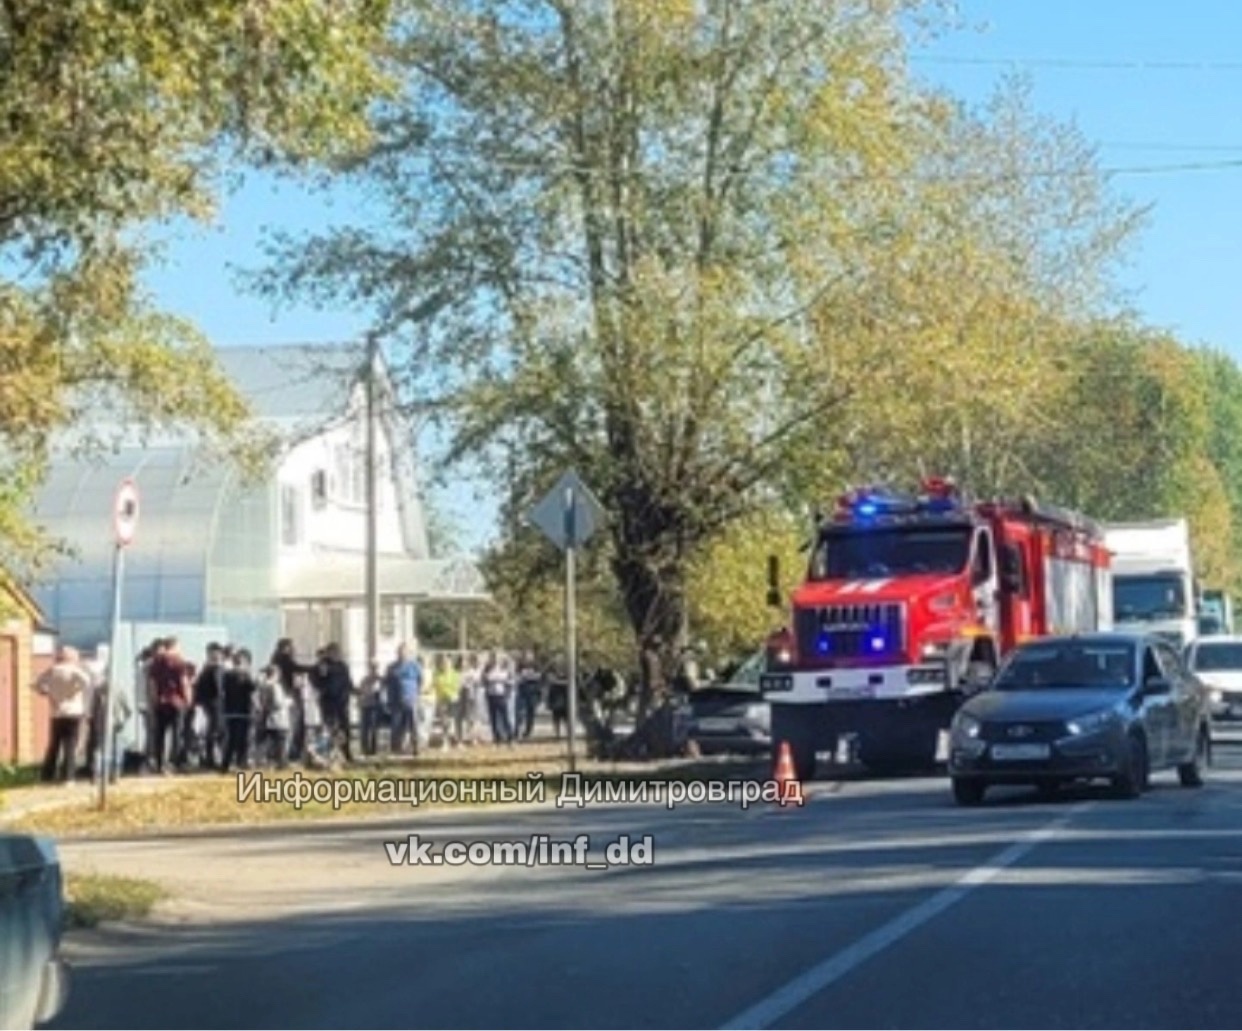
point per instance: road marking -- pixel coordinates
(785, 1000)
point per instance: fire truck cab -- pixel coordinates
(909, 604)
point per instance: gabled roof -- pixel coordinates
(17, 594)
(294, 381)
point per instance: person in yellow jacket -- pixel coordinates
(446, 686)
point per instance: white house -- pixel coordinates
(215, 558)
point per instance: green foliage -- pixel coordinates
(116, 116)
(726, 258)
(728, 581)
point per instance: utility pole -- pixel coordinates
(372, 503)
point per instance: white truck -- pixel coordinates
(1154, 586)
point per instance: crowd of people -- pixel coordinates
(226, 713)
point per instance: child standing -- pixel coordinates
(277, 717)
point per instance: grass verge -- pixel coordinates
(212, 800)
(93, 898)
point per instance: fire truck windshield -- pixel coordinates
(853, 554)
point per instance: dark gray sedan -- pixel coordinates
(1113, 706)
(732, 715)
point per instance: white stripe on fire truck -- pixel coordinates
(875, 585)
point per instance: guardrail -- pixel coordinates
(33, 979)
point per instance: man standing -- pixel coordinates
(66, 686)
(405, 681)
(337, 688)
(170, 681)
(208, 697)
(371, 707)
(529, 689)
(238, 694)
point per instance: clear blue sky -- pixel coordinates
(1154, 84)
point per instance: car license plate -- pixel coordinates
(850, 693)
(1020, 753)
(717, 723)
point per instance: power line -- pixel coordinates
(1183, 148)
(1051, 173)
(1077, 63)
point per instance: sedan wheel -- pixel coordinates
(968, 792)
(1133, 781)
(1191, 773)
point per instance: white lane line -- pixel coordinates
(785, 1000)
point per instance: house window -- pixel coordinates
(349, 467)
(388, 619)
(290, 516)
(319, 488)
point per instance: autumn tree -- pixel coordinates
(118, 116)
(1004, 239)
(599, 242)
(727, 587)
(1137, 438)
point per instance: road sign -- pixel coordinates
(569, 514)
(125, 513)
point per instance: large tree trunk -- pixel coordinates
(655, 601)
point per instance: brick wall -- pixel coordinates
(24, 716)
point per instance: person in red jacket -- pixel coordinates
(171, 683)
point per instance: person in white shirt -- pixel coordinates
(66, 685)
(497, 680)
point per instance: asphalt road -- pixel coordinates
(878, 905)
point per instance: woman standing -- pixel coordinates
(468, 691)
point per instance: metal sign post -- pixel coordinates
(569, 515)
(124, 523)
(571, 617)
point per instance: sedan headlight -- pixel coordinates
(1089, 724)
(756, 711)
(1217, 697)
(965, 725)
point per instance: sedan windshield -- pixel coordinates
(1219, 657)
(1068, 665)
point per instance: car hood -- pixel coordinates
(1223, 679)
(1043, 704)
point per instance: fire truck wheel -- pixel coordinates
(1133, 781)
(968, 792)
(804, 760)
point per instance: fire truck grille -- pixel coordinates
(875, 631)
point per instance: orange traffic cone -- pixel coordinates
(785, 777)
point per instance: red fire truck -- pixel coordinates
(909, 604)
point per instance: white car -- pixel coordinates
(34, 981)
(1217, 661)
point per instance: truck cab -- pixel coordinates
(1153, 579)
